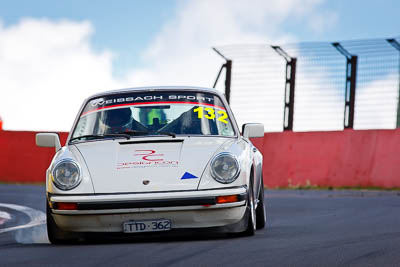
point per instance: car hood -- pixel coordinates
(147, 165)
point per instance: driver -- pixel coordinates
(118, 120)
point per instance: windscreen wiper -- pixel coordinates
(134, 133)
(137, 133)
(127, 136)
(100, 136)
(88, 136)
(167, 133)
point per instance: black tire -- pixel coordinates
(261, 214)
(55, 234)
(251, 225)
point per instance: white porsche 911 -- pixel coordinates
(154, 159)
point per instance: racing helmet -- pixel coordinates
(118, 118)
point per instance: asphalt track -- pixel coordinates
(305, 228)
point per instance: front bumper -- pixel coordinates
(186, 209)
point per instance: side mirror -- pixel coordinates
(251, 130)
(48, 140)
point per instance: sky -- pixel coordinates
(54, 54)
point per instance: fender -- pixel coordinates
(257, 170)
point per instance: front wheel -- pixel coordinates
(261, 214)
(55, 234)
(251, 225)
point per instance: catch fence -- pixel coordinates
(314, 86)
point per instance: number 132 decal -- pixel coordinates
(210, 114)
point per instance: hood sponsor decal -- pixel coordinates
(147, 153)
(188, 175)
(149, 158)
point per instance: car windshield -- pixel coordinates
(153, 113)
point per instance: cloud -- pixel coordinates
(180, 53)
(323, 21)
(49, 67)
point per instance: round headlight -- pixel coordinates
(225, 168)
(66, 174)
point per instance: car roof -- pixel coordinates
(157, 88)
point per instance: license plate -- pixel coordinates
(147, 226)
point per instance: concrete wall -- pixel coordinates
(21, 160)
(365, 158)
(344, 158)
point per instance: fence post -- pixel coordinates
(350, 91)
(290, 82)
(396, 45)
(228, 75)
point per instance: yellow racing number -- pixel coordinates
(222, 115)
(200, 112)
(211, 113)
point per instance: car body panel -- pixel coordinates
(159, 164)
(112, 222)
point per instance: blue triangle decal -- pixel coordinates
(188, 175)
